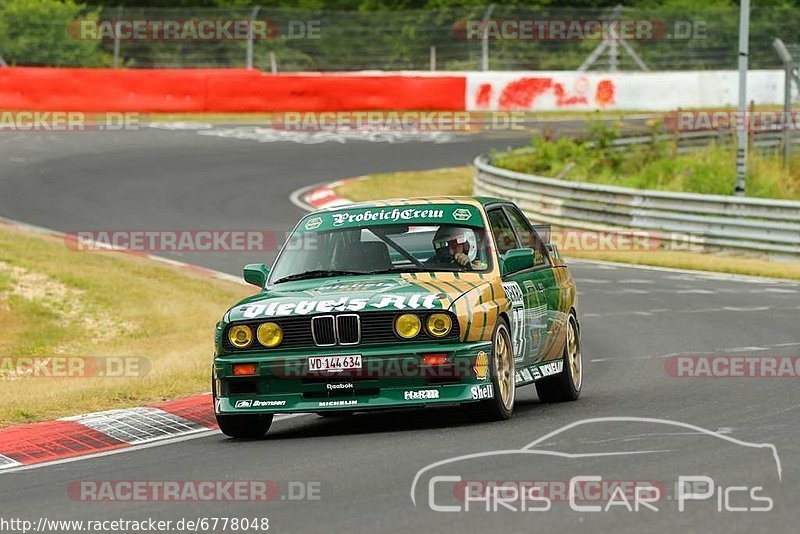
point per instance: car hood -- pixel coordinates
(372, 293)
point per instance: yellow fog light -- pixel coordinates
(407, 325)
(269, 334)
(240, 336)
(439, 324)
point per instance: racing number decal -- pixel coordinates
(517, 298)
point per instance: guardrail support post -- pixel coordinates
(117, 42)
(251, 37)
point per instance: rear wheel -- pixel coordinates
(501, 405)
(567, 385)
(245, 426)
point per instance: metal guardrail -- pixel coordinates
(714, 222)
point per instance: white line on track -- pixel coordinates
(707, 275)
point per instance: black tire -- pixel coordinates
(245, 426)
(567, 385)
(241, 426)
(501, 406)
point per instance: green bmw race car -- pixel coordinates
(398, 304)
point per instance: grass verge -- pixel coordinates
(55, 302)
(458, 181)
(446, 182)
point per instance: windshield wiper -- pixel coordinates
(408, 269)
(317, 273)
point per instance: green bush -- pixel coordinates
(655, 165)
(35, 33)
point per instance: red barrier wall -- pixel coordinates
(197, 90)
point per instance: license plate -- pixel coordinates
(334, 364)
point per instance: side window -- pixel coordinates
(502, 230)
(527, 234)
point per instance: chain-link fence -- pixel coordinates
(493, 37)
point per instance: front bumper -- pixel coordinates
(390, 377)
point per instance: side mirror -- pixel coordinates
(553, 250)
(256, 274)
(518, 259)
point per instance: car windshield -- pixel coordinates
(382, 248)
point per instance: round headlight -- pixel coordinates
(240, 336)
(439, 324)
(407, 325)
(269, 334)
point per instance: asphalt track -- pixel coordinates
(633, 320)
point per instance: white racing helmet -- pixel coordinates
(447, 236)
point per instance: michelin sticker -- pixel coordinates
(537, 372)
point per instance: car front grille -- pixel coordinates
(323, 330)
(345, 329)
(348, 328)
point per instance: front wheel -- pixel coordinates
(245, 426)
(501, 405)
(567, 385)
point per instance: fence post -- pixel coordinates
(117, 41)
(273, 62)
(788, 67)
(744, 45)
(433, 57)
(250, 37)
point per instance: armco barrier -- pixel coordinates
(739, 224)
(231, 90)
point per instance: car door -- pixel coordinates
(539, 323)
(526, 291)
(544, 316)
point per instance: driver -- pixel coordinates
(455, 245)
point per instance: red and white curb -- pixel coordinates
(101, 432)
(321, 196)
